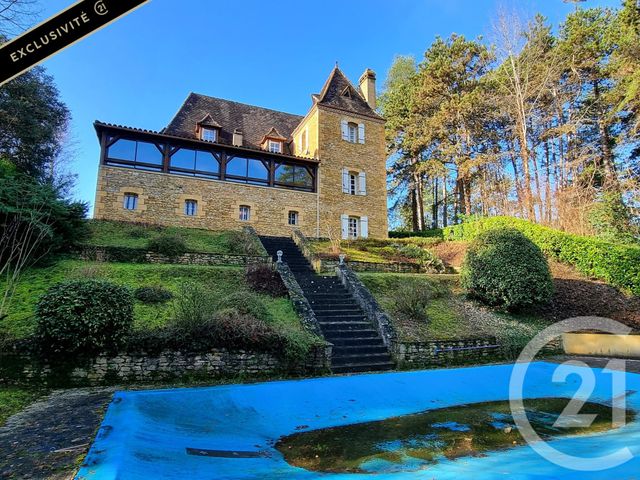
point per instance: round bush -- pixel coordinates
(504, 268)
(152, 294)
(84, 317)
(264, 279)
(168, 245)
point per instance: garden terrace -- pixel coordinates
(105, 233)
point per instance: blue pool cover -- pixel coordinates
(149, 434)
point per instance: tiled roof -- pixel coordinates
(333, 95)
(251, 120)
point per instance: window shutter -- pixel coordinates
(364, 227)
(344, 220)
(361, 133)
(362, 183)
(345, 180)
(344, 126)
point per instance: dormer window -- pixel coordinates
(275, 146)
(209, 134)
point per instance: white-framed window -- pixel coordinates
(352, 132)
(294, 217)
(275, 146)
(354, 227)
(353, 182)
(191, 208)
(209, 134)
(245, 213)
(130, 201)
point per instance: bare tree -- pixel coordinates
(17, 16)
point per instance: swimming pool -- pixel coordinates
(194, 432)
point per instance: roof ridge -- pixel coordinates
(246, 104)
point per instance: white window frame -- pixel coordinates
(295, 216)
(209, 134)
(130, 198)
(353, 183)
(352, 133)
(275, 146)
(353, 231)
(245, 213)
(193, 210)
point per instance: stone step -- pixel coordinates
(345, 350)
(362, 367)
(362, 358)
(326, 326)
(350, 333)
(339, 310)
(372, 341)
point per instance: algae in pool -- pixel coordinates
(413, 442)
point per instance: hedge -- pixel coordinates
(614, 263)
(431, 233)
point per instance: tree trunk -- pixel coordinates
(444, 202)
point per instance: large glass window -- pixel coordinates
(194, 162)
(247, 170)
(294, 175)
(135, 154)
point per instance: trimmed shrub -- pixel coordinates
(168, 245)
(432, 233)
(264, 279)
(504, 268)
(152, 294)
(614, 263)
(193, 305)
(84, 317)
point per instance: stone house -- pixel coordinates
(221, 165)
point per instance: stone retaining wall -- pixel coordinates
(445, 352)
(168, 365)
(124, 254)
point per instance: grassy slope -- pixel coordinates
(12, 400)
(220, 280)
(374, 251)
(450, 315)
(119, 234)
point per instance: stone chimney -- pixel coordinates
(368, 87)
(237, 138)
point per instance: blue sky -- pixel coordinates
(138, 71)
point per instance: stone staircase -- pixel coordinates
(358, 346)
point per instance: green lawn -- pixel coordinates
(133, 235)
(449, 314)
(12, 400)
(219, 280)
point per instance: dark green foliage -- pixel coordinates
(264, 279)
(193, 305)
(33, 121)
(153, 294)
(616, 264)
(504, 268)
(84, 317)
(168, 245)
(42, 207)
(432, 233)
(611, 220)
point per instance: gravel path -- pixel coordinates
(49, 438)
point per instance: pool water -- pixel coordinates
(432, 424)
(415, 442)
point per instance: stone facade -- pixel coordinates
(163, 195)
